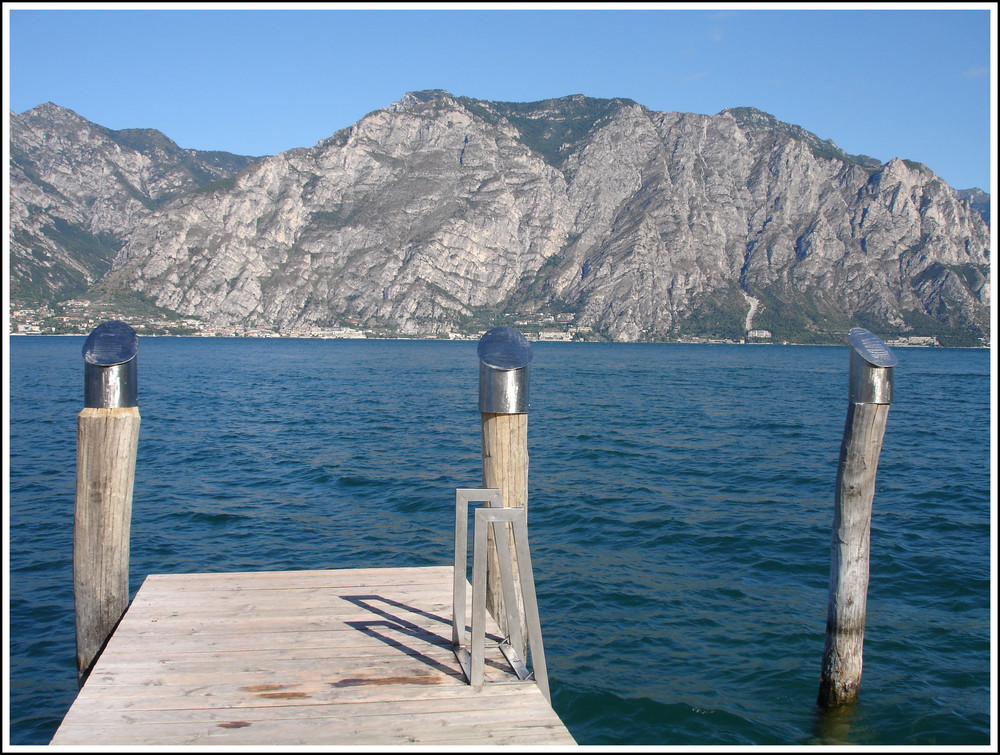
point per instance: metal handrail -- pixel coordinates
(473, 660)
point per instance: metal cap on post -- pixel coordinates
(504, 356)
(870, 368)
(109, 356)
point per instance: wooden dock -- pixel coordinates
(333, 657)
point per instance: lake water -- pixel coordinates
(680, 499)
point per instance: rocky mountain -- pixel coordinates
(441, 213)
(77, 190)
(979, 200)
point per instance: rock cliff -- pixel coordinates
(440, 213)
(77, 189)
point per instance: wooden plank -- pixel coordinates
(313, 616)
(348, 607)
(403, 718)
(304, 596)
(190, 650)
(328, 725)
(306, 578)
(321, 732)
(336, 671)
(344, 657)
(361, 640)
(226, 695)
(479, 708)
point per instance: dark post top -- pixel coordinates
(871, 368)
(110, 343)
(109, 356)
(504, 349)
(504, 356)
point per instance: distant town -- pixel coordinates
(80, 317)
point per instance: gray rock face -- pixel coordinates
(442, 211)
(78, 188)
(979, 200)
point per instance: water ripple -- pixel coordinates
(680, 517)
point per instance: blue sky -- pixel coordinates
(886, 81)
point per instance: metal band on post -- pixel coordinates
(504, 356)
(109, 372)
(869, 394)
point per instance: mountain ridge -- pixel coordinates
(64, 238)
(439, 213)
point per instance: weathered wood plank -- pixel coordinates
(340, 602)
(407, 717)
(206, 599)
(293, 579)
(334, 671)
(244, 727)
(230, 659)
(225, 694)
(324, 733)
(342, 639)
(263, 613)
(287, 646)
(474, 709)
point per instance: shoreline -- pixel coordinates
(473, 340)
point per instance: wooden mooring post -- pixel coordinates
(504, 356)
(869, 396)
(106, 442)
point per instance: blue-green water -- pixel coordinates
(680, 498)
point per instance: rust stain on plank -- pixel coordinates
(283, 695)
(359, 682)
(270, 691)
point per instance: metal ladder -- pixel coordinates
(493, 513)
